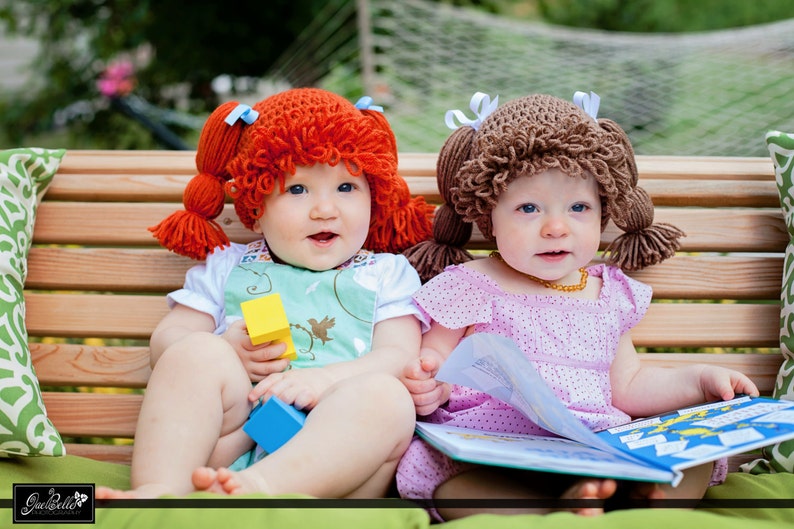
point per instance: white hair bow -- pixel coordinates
(587, 102)
(480, 104)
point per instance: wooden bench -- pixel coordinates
(97, 278)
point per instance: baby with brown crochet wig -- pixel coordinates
(314, 178)
(541, 178)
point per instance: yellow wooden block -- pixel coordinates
(267, 322)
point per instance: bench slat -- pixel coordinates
(712, 193)
(412, 163)
(113, 269)
(130, 316)
(122, 187)
(115, 415)
(102, 223)
(96, 366)
(93, 315)
(684, 276)
(708, 324)
(714, 167)
(127, 162)
(714, 277)
(93, 414)
(80, 365)
(169, 188)
(161, 175)
(120, 454)
(723, 230)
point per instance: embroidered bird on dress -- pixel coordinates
(320, 328)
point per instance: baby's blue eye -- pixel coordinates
(528, 208)
(578, 208)
(346, 188)
(297, 189)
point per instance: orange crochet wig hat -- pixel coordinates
(246, 152)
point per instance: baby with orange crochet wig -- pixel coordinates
(314, 178)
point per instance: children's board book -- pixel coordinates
(654, 449)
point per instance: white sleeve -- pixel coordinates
(397, 282)
(205, 284)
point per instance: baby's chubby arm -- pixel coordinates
(642, 390)
(394, 342)
(182, 321)
(418, 375)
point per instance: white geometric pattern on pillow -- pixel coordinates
(780, 457)
(25, 429)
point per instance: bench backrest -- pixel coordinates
(97, 278)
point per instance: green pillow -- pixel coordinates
(25, 429)
(780, 457)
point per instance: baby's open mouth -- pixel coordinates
(324, 236)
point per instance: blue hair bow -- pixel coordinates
(365, 103)
(243, 112)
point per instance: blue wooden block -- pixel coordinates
(273, 423)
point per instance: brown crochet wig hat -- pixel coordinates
(246, 152)
(527, 136)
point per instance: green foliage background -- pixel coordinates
(188, 45)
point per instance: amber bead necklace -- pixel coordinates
(548, 284)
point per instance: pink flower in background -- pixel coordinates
(117, 80)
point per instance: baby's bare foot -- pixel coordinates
(222, 480)
(591, 489)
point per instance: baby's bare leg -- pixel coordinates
(349, 446)
(194, 407)
(506, 484)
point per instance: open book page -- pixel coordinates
(532, 452)
(690, 436)
(496, 366)
(670, 442)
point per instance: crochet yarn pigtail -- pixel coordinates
(410, 219)
(450, 231)
(193, 232)
(410, 223)
(382, 123)
(623, 140)
(643, 243)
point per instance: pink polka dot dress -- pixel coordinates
(571, 341)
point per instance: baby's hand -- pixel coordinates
(260, 360)
(300, 387)
(427, 392)
(721, 383)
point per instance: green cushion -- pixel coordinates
(67, 469)
(258, 516)
(73, 469)
(780, 457)
(25, 429)
(748, 487)
(626, 519)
